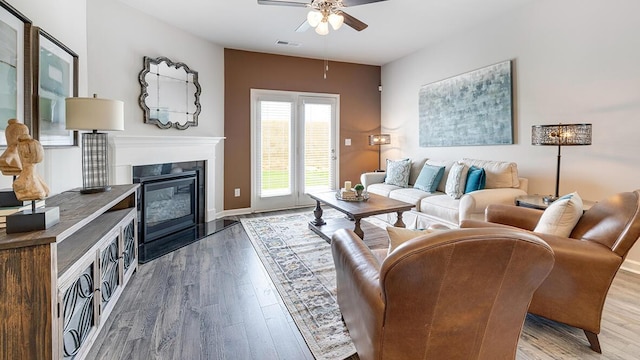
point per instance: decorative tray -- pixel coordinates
(363, 197)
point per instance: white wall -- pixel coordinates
(119, 37)
(66, 21)
(111, 39)
(575, 61)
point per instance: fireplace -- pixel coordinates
(143, 156)
(170, 206)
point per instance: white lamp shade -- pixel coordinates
(94, 114)
(323, 28)
(336, 21)
(314, 18)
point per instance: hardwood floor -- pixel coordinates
(209, 300)
(213, 299)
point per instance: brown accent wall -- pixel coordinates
(359, 111)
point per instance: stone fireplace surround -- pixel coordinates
(129, 151)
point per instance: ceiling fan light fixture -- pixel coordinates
(336, 21)
(314, 18)
(325, 11)
(322, 28)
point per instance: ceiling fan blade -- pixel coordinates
(303, 27)
(348, 3)
(351, 21)
(284, 3)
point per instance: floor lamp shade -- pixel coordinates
(560, 135)
(379, 140)
(94, 114)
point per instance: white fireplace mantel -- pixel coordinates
(129, 151)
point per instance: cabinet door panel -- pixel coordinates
(109, 276)
(129, 252)
(78, 312)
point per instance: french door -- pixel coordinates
(294, 148)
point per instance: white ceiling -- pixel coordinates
(396, 27)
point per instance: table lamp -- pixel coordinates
(560, 135)
(94, 114)
(379, 140)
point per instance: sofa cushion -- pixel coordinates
(397, 236)
(447, 166)
(382, 189)
(500, 174)
(409, 195)
(441, 206)
(456, 180)
(414, 172)
(561, 216)
(476, 179)
(429, 178)
(398, 172)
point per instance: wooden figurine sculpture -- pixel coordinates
(29, 186)
(10, 163)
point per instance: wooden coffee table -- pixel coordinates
(355, 211)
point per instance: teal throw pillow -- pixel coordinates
(429, 178)
(476, 179)
(398, 172)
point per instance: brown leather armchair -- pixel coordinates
(585, 263)
(458, 294)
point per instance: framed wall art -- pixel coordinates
(55, 68)
(15, 76)
(474, 108)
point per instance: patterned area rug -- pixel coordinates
(301, 266)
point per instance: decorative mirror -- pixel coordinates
(170, 94)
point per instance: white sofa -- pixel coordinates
(503, 185)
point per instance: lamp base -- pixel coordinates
(95, 167)
(549, 199)
(95, 190)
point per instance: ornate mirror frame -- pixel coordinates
(170, 93)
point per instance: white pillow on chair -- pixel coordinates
(561, 216)
(397, 236)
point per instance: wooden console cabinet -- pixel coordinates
(58, 286)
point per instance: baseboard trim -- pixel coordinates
(211, 215)
(233, 212)
(631, 265)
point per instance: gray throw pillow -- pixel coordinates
(456, 180)
(398, 172)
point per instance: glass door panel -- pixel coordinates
(319, 151)
(293, 137)
(275, 148)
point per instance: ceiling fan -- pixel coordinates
(324, 13)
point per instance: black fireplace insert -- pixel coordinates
(168, 204)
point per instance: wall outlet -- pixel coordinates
(347, 142)
(236, 192)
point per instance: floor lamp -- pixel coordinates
(94, 114)
(379, 140)
(560, 135)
